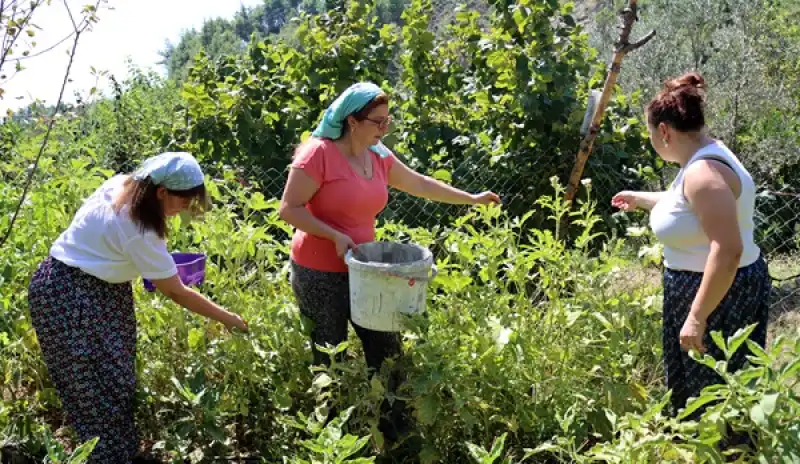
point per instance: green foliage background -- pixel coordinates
(534, 349)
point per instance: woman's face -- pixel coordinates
(372, 128)
(171, 204)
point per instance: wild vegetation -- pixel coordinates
(534, 348)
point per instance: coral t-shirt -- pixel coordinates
(345, 201)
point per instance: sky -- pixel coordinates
(133, 29)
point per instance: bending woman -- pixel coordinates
(81, 298)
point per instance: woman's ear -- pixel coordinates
(351, 122)
(161, 193)
(664, 132)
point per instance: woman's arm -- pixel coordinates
(407, 180)
(629, 201)
(710, 188)
(300, 187)
(190, 299)
(647, 200)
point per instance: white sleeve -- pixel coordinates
(149, 255)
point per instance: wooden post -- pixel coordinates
(628, 16)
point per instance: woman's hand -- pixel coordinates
(629, 201)
(625, 200)
(343, 243)
(485, 198)
(692, 334)
(236, 321)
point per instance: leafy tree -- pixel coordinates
(476, 106)
(748, 52)
(217, 37)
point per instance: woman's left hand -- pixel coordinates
(692, 334)
(485, 198)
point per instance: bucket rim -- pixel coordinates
(349, 258)
(187, 258)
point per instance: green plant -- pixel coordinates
(757, 404)
(332, 446)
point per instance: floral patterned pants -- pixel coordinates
(87, 331)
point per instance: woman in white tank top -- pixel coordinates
(715, 277)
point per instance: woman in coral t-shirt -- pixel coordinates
(336, 188)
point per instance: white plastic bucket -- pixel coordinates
(387, 281)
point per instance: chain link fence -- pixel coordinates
(777, 217)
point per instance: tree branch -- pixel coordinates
(631, 47)
(42, 52)
(71, 18)
(7, 47)
(627, 18)
(51, 122)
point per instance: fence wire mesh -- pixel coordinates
(777, 216)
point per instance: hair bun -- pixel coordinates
(690, 79)
(680, 103)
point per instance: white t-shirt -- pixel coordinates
(110, 246)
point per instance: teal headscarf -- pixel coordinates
(356, 97)
(173, 170)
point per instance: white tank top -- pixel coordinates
(686, 246)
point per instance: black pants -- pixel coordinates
(324, 298)
(746, 302)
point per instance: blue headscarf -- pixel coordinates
(173, 170)
(356, 97)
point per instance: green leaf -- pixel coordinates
(603, 320)
(736, 340)
(427, 409)
(697, 403)
(480, 455)
(498, 447)
(83, 452)
(761, 356)
(257, 202)
(546, 447)
(322, 381)
(719, 340)
(768, 403)
(443, 176)
(758, 416)
(791, 369)
(195, 337)
(216, 433)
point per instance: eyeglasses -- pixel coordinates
(381, 123)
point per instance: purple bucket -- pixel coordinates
(191, 269)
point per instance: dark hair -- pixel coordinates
(360, 115)
(145, 209)
(681, 104)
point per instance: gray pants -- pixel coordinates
(324, 298)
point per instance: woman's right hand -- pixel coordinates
(236, 321)
(343, 243)
(626, 201)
